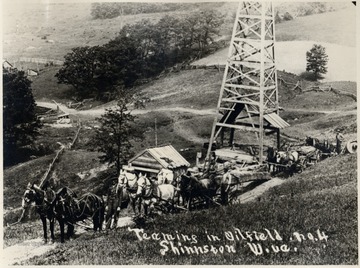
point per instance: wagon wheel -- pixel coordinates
(319, 155)
(303, 164)
(351, 146)
(233, 198)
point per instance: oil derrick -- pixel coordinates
(248, 98)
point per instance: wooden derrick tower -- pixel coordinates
(248, 98)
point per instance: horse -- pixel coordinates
(65, 209)
(72, 209)
(127, 184)
(150, 193)
(165, 176)
(191, 187)
(44, 204)
(288, 159)
(311, 141)
(271, 159)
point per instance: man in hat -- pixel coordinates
(112, 203)
(339, 141)
(226, 182)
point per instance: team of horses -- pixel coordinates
(65, 207)
(291, 160)
(170, 193)
(279, 161)
(144, 194)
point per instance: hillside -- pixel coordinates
(43, 30)
(338, 27)
(184, 105)
(320, 203)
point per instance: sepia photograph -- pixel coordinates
(179, 133)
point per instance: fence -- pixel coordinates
(41, 61)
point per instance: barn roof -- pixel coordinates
(275, 120)
(7, 64)
(164, 155)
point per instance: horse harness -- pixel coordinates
(147, 190)
(44, 200)
(133, 187)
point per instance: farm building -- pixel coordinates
(152, 160)
(7, 65)
(31, 72)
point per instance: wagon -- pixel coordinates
(308, 155)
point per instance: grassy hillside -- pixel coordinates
(323, 198)
(43, 30)
(337, 27)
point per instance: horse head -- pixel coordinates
(271, 154)
(184, 181)
(63, 202)
(29, 195)
(279, 157)
(144, 185)
(165, 176)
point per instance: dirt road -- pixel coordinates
(96, 112)
(99, 111)
(25, 250)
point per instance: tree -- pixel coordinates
(316, 61)
(277, 17)
(115, 134)
(20, 123)
(105, 10)
(287, 16)
(89, 71)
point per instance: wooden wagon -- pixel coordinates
(308, 155)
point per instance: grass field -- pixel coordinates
(334, 27)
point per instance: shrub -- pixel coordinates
(287, 16)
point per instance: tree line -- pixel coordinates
(110, 10)
(140, 51)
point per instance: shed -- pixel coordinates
(152, 160)
(31, 72)
(7, 65)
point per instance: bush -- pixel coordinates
(287, 16)
(105, 10)
(308, 76)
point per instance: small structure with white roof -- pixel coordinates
(152, 160)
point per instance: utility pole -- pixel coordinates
(156, 139)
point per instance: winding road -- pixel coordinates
(187, 134)
(99, 111)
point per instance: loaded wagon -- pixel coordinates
(308, 155)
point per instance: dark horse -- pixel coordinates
(71, 209)
(271, 159)
(191, 188)
(44, 200)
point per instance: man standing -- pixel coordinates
(112, 204)
(226, 183)
(339, 141)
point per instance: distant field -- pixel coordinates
(291, 57)
(337, 27)
(336, 31)
(50, 31)
(67, 25)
